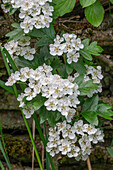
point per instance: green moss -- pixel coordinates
(19, 150)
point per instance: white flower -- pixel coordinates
(56, 49)
(98, 136)
(52, 151)
(5, 8)
(70, 115)
(63, 107)
(36, 10)
(76, 43)
(61, 125)
(45, 20)
(24, 13)
(51, 104)
(27, 24)
(72, 57)
(16, 3)
(65, 147)
(19, 75)
(73, 101)
(84, 141)
(26, 5)
(47, 9)
(28, 111)
(67, 132)
(68, 37)
(74, 151)
(53, 142)
(89, 129)
(86, 149)
(41, 2)
(27, 72)
(79, 127)
(20, 97)
(11, 80)
(37, 22)
(53, 132)
(29, 93)
(11, 46)
(28, 53)
(24, 41)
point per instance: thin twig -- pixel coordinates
(109, 8)
(33, 157)
(103, 58)
(72, 21)
(89, 163)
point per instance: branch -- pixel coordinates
(105, 60)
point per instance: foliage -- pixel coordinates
(63, 6)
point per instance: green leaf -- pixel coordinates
(51, 116)
(62, 71)
(63, 6)
(79, 79)
(86, 3)
(20, 61)
(43, 41)
(13, 67)
(104, 110)
(85, 54)
(10, 60)
(37, 102)
(56, 63)
(95, 13)
(12, 11)
(105, 116)
(91, 117)
(85, 42)
(1, 165)
(94, 49)
(39, 59)
(86, 86)
(111, 1)
(16, 25)
(46, 35)
(44, 56)
(15, 35)
(69, 68)
(9, 89)
(90, 104)
(110, 151)
(5, 157)
(79, 66)
(3, 142)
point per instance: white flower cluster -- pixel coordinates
(73, 141)
(69, 44)
(5, 6)
(94, 74)
(20, 48)
(33, 13)
(61, 93)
